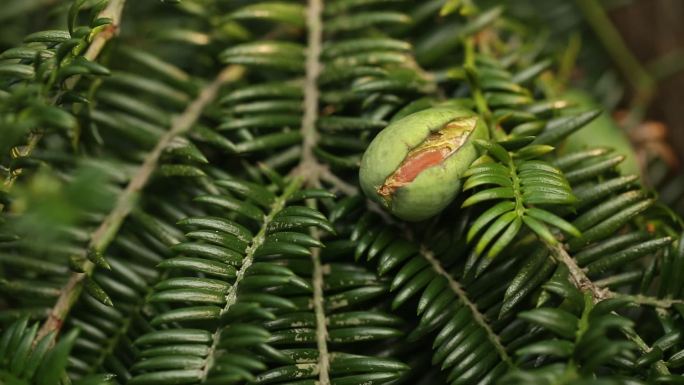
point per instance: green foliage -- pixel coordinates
(27, 360)
(577, 335)
(522, 184)
(180, 202)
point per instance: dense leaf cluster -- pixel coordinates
(180, 204)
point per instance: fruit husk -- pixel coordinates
(436, 186)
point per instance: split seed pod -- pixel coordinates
(414, 166)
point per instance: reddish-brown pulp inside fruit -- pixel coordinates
(434, 150)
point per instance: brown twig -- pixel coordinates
(309, 167)
(579, 278)
(310, 170)
(577, 275)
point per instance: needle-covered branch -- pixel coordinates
(126, 202)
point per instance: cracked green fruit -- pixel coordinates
(413, 167)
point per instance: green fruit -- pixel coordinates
(413, 167)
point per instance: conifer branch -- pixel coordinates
(478, 317)
(579, 278)
(126, 202)
(577, 275)
(309, 167)
(258, 240)
(311, 171)
(113, 11)
(319, 309)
